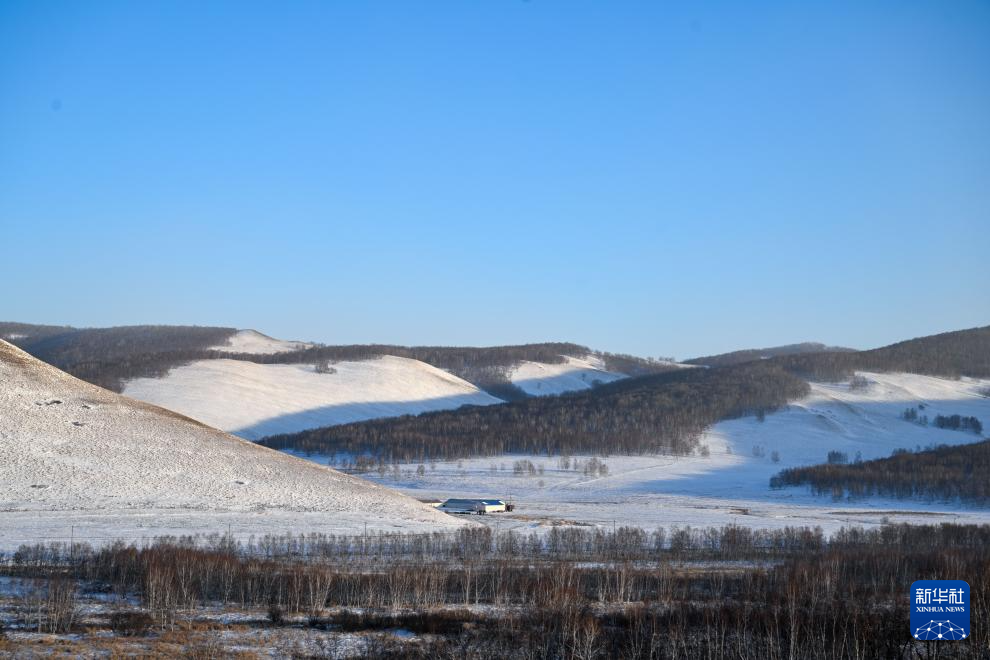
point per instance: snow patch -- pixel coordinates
(541, 379)
(255, 343)
(254, 400)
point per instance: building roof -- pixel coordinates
(456, 500)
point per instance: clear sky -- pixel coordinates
(651, 177)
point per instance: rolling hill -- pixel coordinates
(253, 400)
(253, 385)
(750, 354)
(726, 480)
(71, 451)
(661, 412)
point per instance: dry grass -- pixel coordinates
(193, 640)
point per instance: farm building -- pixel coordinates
(473, 506)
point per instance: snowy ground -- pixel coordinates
(539, 379)
(731, 483)
(71, 452)
(211, 631)
(252, 341)
(254, 400)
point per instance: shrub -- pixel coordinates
(131, 623)
(859, 383)
(275, 614)
(837, 457)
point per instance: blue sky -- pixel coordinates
(650, 177)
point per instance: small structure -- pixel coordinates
(435, 503)
(473, 506)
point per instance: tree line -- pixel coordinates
(108, 357)
(952, 474)
(750, 354)
(485, 367)
(950, 354)
(843, 596)
(663, 413)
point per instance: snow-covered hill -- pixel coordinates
(729, 481)
(539, 379)
(254, 400)
(253, 342)
(71, 452)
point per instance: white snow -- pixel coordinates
(252, 341)
(731, 485)
(73, 454)
(254, 400)
(13, 336)
(541, 379)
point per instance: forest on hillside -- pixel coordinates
(662, 413)
(750, 354)
(950, 354)
(18, 333)
(485, 367)
(109, 356)
(951, 474)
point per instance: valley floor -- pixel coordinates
(104, 526)
(727, 481)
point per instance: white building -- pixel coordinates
(473, 506)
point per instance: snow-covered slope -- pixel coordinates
(729, 482)
(253, 342)
(69, 448)
(254, 400)
(540, 379)
(865, 421)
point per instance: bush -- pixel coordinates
(131, 623)
(837, 457)
(275, 614)
(859, 383)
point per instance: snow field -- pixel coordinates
(731, 483)
(254, 400)
(539, 379)
(255, 343)
(70, 449)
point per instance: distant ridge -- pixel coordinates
(109, 357)
(750, 354)
(658, 413)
